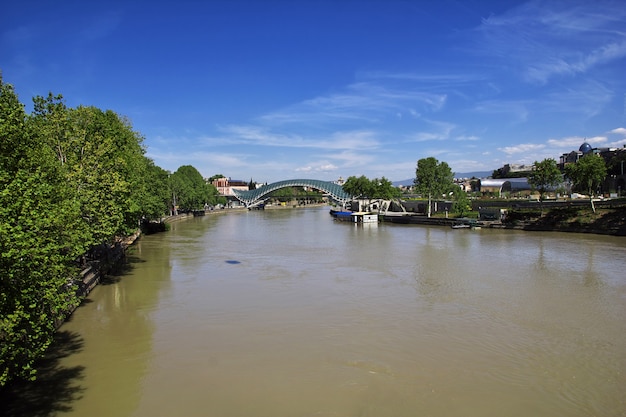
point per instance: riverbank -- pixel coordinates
(605, 221)
(104, 261)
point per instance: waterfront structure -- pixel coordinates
(503, 185)
(252, 198)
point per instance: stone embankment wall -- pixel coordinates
(107, 260)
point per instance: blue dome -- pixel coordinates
(585, 148)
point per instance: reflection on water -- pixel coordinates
(288, 313)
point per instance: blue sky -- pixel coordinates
(280, 89)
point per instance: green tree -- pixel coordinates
(70, 179)
(191, 191)
(545, 176)
(358, 187)
(617, 165)
(36, 242)
(432, 179)
(383, 189)
(156, 196)
(216, 176)
(284, 194)
(587, 174)
(103, 162)
(461, 205)
(104, 169)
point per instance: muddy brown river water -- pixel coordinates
(286, 313)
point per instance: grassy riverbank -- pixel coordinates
(609, 221)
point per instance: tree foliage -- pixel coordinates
(214, 177)
(617, 165)
(432, 179)
(190, 190)
(587, 174)
(358, 186)
(36, 246)
(362, 187)
(461, 204)
(545, 176)
(70, 179)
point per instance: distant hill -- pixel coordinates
(476, 174)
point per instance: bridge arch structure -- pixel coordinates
(253, 198)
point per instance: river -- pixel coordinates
(288, 313)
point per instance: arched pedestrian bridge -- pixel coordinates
(253, 198)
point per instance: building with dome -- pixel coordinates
(573, 156)
(585, 148)
(616, 180)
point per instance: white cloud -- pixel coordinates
(440, 131)
(366, 102)
(618, 143)
(574, 142)
(550, 39)
(468, 165)
(517, 111)
(323, 167)
(261, 136)
(521, 148)
(588, 98)
(350, 158)
(467, 138)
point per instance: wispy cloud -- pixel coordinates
(316, 168)
(574, 142)
(352, 158)
(588, 98)
(465, 138)
(101, 26)
(550, 39)
(578, 63)
(521, 148)
(364, 101)
(262, 136)
(619, 131)
(430, 79)
(439, 131)
(515, 110)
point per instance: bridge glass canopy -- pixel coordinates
(255, 197)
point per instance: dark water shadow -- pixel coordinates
(116, 273)
(55, 388)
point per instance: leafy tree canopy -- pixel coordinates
(587, 174)
(545, 176)
(432, 179)
(37, 242)
(362, 187)
(617, 164)
(70, 179)
(461, 205)
(216, 176)
(190, 190)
